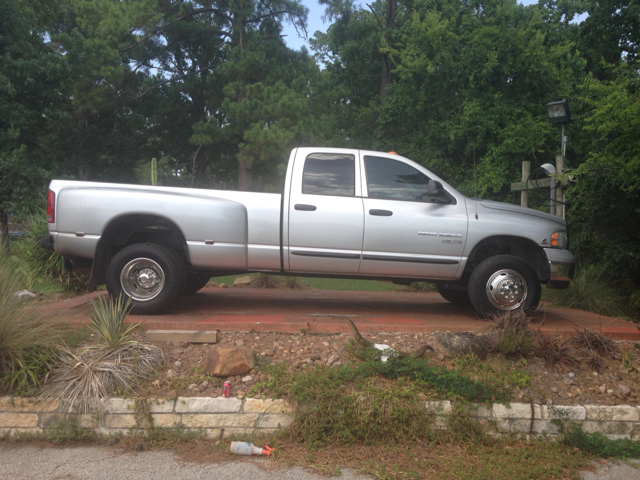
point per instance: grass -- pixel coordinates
(28, 346)
(592, 291)
(342, 284)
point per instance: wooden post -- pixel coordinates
(559, 185)
(524, 194)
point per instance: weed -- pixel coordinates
(463, 426)
(263, 280)
(597, 344)
(555, 351)
(68, 431)
(627, 361)
(420, 287)
(513, 335)
(598, 444)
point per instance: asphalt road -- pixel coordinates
(28, 462)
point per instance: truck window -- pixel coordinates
(393, 180)
(329, 174)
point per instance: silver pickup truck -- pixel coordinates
(343, 213)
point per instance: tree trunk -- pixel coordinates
(245, 177)
(392, 6)
(4, 232)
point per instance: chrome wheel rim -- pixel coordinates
(506, 290)
(142, 279)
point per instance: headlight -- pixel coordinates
(559, 240)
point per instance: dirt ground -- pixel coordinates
(183, 374)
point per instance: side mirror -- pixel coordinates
(437, 194)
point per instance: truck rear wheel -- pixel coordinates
(196, 281)
(151, 275)
(503, 283)
(457, 296)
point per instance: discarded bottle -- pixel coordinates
(247, 448)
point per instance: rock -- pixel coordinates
(170, 373)
(25, 294)
(440, 357)
(177, 363)
(602, 388)
(228, 361)
(268, 352)
(193, 386)
(240, 343)
(571, 374)
(223, 285)
(248, 378)
(242, 281)
(624, 389)
(172, 395)
(205, 384)
(332, 359)
(315, 357)
(460, 343)
(554, 389)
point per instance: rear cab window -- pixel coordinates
(329, 174)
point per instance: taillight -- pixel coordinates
(51, 207)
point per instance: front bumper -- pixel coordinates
(562, 265)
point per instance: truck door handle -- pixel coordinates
(380, 213)
(306, 208)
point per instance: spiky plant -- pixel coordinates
(87, 376)
(595, 344)
(513, 335)
(28, 345)
(556, 352)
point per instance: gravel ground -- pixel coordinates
(22, 462)
(98, 463)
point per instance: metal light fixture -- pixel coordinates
(558, 112)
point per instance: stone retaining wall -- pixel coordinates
(243, 416)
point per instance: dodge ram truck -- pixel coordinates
(343, 213)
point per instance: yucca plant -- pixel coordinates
(107, 321)
(85, 377)
(28, 345)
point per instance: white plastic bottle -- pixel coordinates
(245, 448)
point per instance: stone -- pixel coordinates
(332, 359)
(516, 410)
(274, 420)
(20, 404)
(602, 388)
(118, 405)
(165, 420)
(618, 413)
(460, 343)
(256, 405)
(561, 412)
(120, 421)
(162, 405)
(554, 389)
(242, 281)
(177, 363)
(268, 352)
(173, 394)
(213, 420)
(207, 405)
(229, 361)
(246, 379)
(624, 389)
(18, 420)
(223, 285)
(205, 384)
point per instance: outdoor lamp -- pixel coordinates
(558, 112)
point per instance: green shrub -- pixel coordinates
(598, 444)
(107, 321)
(592, 291)
(28, 346)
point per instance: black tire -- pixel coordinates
(196, 281)
(151, 275)
(503, 283)
(457, 296)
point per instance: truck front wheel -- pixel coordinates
(503, 283)
(151, 275)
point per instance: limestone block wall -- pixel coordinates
(216, 416)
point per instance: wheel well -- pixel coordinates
(129, 229)
(522, 248)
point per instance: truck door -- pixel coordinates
(325, 209)
(406, 235)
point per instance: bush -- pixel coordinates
(598, 444)
(28, 346)
(513, 335)
(592, 291)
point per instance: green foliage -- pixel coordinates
(107, 321)
(593, 290)
(598, 444)
(68, 431)
(40, 269)
(513, 334)
(28, 345)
